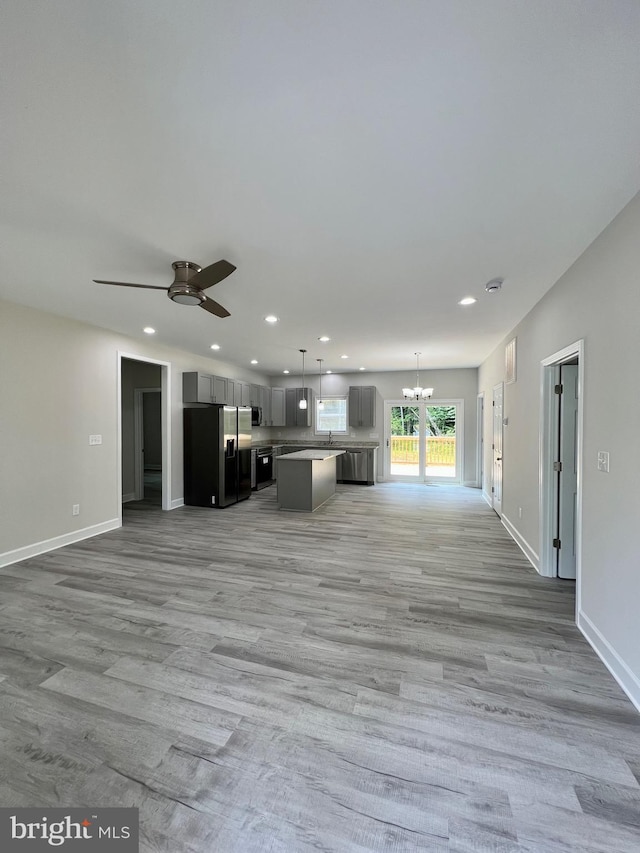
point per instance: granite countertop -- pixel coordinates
(310, 454)
(304, 445)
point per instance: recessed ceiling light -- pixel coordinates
(149, 331)
(468, 300)
(324, 339)
(215, 346)
(254, 361)
(362, 368)
(344, 356)
(285, 371)
(329, 371)
(271, 318)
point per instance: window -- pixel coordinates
(332, 416)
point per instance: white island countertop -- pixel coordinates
(310, 454)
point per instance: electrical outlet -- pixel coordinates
(75, 509)
(95, 439)
(603, 461)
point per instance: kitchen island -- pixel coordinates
(306, 479)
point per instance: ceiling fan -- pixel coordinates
(189, 283)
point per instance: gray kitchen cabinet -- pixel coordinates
(234, 392)
(362, 406)
(264, 401)
(277, 415)
(294, 415)
(254, 395)
(237, 393)
(197, 387)
(222, 391)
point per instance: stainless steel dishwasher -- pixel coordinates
(356, 466)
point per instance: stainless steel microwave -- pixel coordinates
(256, 415)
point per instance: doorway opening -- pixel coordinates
(424, 441)
(562, 380)
(144, 431)
(147, 448)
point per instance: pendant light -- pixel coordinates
(303, 400)
(320, 400)
(417, 393)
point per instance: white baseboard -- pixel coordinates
(130, 497)
(37, 548)
(627, 679)
(177, 503)
(522, 543)
(487, 498)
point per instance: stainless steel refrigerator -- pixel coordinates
(217, 455)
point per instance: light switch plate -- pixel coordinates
(95, 439)
(603, 461)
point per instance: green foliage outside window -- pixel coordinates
(441, 420)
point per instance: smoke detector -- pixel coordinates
(494, 285)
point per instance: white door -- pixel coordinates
(567, 472)
(480, 444)
(496, 477)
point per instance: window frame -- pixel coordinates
(317, 429)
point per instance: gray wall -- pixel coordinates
(598, 300)
(447, 384)
(58, 385)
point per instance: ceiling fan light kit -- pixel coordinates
(189, 282)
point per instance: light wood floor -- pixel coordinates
(387, 674)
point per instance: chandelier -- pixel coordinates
(417, 393)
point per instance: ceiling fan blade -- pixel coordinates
(212, 274)
(129, 284)
(214, 307)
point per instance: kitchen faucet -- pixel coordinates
(330, 437)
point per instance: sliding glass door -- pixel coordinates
(423, 441)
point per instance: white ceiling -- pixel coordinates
(364, 163)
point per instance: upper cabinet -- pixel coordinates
(277, 416)
(222, 390)
(362, 406)
(295, 416)
(197, 388)
(204, 388)
(254, 395)
(241, 393)
(264, 401)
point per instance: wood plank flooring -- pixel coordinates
(388, 674)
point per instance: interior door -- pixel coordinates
(567, 472)
(496, 479)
